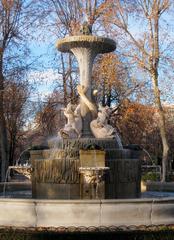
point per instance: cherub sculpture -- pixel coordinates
(73, 128)
(100, 127)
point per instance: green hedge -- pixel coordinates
(152, 176)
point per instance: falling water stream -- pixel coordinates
(6, 179)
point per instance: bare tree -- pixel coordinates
(15, 99)
(13, 29)
(112, 79)
(50, 118)
(145, 50)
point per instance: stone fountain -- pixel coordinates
(77, 183)
(59, 173)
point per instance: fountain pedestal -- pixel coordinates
(56, 176)
(85, 48)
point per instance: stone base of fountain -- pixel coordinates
(83, 214)
(15, 190)
(56, 171)
(82, 143)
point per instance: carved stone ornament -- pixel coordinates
(73, 128)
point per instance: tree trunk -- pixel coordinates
(64, 82)
(12, 146)
(3, 130)
(154, 73)
(162, 126)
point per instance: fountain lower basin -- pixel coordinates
(82, 215)
(59, 214)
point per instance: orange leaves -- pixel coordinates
(108, 66)
(111, 70)
(7, 4)
(134, 121)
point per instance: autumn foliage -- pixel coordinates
(135, 122)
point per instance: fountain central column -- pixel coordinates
(85, 58)
(85, 48)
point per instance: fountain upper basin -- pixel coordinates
(100, 44)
